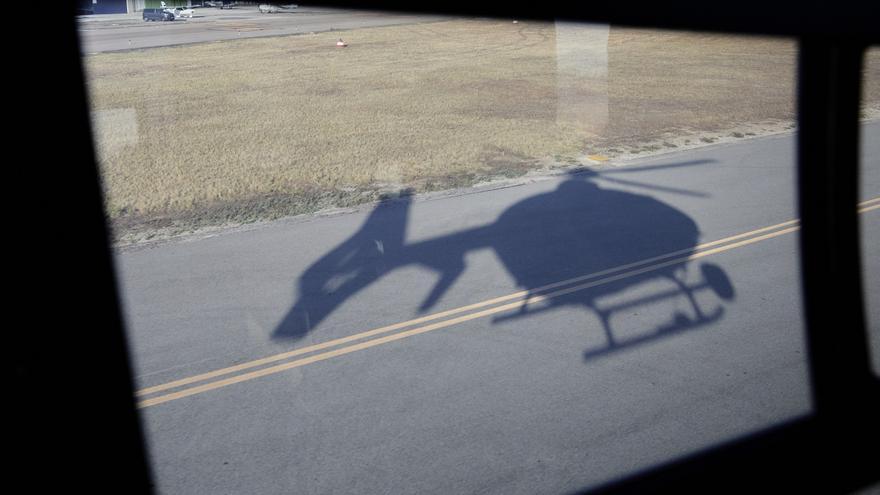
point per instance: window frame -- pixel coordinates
(818, 452)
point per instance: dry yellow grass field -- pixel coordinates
(241, 130)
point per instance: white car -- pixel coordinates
(182, 12)
(267, 8)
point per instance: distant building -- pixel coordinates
(155, 4)
(89, 7)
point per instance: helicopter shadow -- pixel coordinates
(572, 246)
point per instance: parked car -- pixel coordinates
(158, 15)
(182, 12)
(268, 8)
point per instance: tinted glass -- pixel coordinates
(364, 252)
(870, 197)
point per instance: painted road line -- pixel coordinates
(434, 316)
(532, 295)
(446, 323)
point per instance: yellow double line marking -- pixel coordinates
(448, 317)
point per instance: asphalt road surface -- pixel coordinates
(390, 350)
(103, 33)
